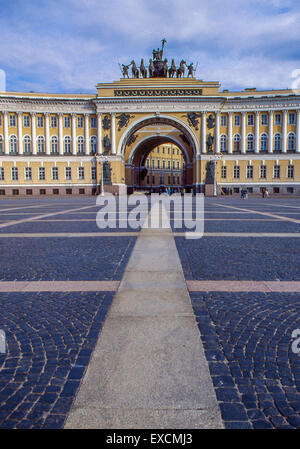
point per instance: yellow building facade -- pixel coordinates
(63, 144)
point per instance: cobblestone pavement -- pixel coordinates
(247, 337)
(247, 341)
(50, 336)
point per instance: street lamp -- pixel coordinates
(102, 159)
(215, 158)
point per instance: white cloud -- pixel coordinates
(72, 45)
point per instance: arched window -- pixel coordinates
(41, 144)
(80, 142)
(223, 141)
(27, 144)
(54, 143)
(291, 142)
(250, 142)
(13, 144)
(237, 142)
(93, 144)
(67, 143)
(277, 142)
(263, 142)
(1, 144)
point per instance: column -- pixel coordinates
(230, 132)
(6, 142)
(256, 132)
(284, 131)
(99, 134)
(20, 133)
(47, 132)
(33, 132)
(113, 133)
(203, 137)
(60, 134)
(87, 133)
(270, 149)
(74, 137)
(243, 143)
(298, 132)
(217, 132)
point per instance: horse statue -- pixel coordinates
(134, 70)
(181, 70)
(151, 68)
(172, 69)
(143, 69)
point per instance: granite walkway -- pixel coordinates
(148, 369)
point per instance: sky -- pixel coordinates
(68, 46)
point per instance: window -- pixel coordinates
(93, 145)
(161, 179)
(67, 144)
(277, 142)
(41, 144)
(81, 191)
(42, 191)
(236, 172)
(79, 122)
(1, 144)
(276, 189)
(27, 144)
(1, 174)
(147, 163)
(164, 164)
(28, 174)
(290, 190)
(153, 162)
(14, 174)
(169, 164)
(42, 173)
(263, 171)
(28, 191)
(93, 122)
(26, 121)
(54, 144)
(93, 173)
(68, 173)
(13, 144)
(236, 142)
(237, 120)
(250, 171)
(291, 142)
(81, 173)
(276, 171)
(174, 165)
(40, 121)
(67, 122)
(264, 119)
(178, 165)
(250, 142)
(263, 142)
(223, 120)
(224, 172)
(53, 121)
(277, 119)
(158, 163)
(223, 143)
(12, 120)
(55, 174)
(80, 142)
(250, 120)
(290, 172)
(292, 118)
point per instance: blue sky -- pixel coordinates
(71, 45)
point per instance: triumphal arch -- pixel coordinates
(78, 144)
